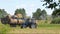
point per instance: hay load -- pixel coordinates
(12, 21)
(15, 19)
(19, 15)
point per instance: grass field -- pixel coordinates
(41, 29)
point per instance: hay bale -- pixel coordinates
(19, 15)
(21, 21)
(13, 20)
(16, 21)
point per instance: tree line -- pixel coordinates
(38, 14)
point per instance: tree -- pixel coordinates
(43, 15)
(52, 3)
(20, 11)
(37, 14)
(40, 14)
(3, 13)
(44, 12)
(56, 13)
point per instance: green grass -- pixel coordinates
(46, 28)
(4, 28)
(49, 25)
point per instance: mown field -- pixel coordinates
(41, 29)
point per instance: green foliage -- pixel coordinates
(37, 13)
(3, 13)
(44, 12)
(21, 11)
(40, 14)
(56, 13)
(52, 3)
(43, 15)
(4, 28)
(55, 21)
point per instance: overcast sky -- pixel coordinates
(29, 5)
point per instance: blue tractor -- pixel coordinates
(31, 23)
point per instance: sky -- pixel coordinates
(30, 6)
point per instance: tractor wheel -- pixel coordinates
(33, 26)
(13, 25)
(23, 26)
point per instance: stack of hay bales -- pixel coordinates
(13, 20)
(21, 21)
(19, 15)
(16, 19)
(10, 19)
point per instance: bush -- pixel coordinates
(55, 21)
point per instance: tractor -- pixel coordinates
(29, 23)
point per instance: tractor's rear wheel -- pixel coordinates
(33, 26)
(23, 26)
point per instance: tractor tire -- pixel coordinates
(33, 26)
(13, 25)
(23, 26)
